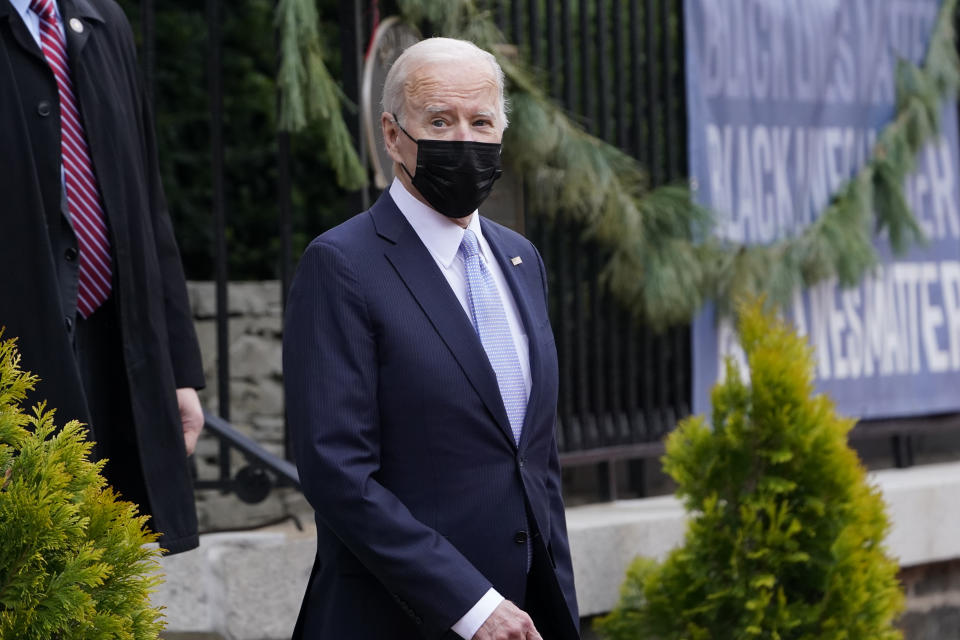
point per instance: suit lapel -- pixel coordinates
(80, 13)
(20, 32)
(518, 278)
(419, 272)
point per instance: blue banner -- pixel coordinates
(785, 100)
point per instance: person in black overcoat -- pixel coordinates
(131, 369)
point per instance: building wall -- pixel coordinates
(933, 600)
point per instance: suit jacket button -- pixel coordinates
(520, 537)
(43, 108)
(68, 322)
(70, 254)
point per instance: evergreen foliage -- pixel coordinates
(308, 92)
(250, 124)
(785, 539)
(73, 564)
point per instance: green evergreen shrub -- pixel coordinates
(73, 564)
(785, 538)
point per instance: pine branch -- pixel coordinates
(308, 94)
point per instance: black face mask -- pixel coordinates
(455, 176)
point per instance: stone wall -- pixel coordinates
(248, 586)
(256, 397)
(933, 601)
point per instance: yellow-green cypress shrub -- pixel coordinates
(785, 537)
(73, 564)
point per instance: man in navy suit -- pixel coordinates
(421, 386)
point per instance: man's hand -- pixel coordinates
(191, 416)
(507, 622)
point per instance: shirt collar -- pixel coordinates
(81, 7)
(440, 234)
(22, 6)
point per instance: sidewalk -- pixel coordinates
(248, 585)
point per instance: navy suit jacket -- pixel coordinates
(423, 500)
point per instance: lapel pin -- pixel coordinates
(76, 25)
(517, 260)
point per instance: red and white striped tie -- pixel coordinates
(83, 193)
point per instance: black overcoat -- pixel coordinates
(159, 342)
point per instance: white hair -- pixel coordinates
(436, 50)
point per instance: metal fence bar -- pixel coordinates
(621, 323)
(148, 51)
(648, 367)
(516, 23)
(595, 326)
(286, 253)
(598, 318)
(619, 84)
(587, 107)
(636, 82)
(284, 204)
(250, 448)
(263, 472)
(643, 450)
(533, 28)
(553, 68)
(215, 85)
(285, 215)
(566, 33)
(680, 91)
(498, 15)
(352, 39)
(651, 85)
(666, 43)
(586, 419)
(603, 73)
(663, 141)
(285, 219)
(683, 362)
(563, 287)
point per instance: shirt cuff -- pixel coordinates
(467, 626)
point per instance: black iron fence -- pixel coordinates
(260, 472)
(617, 67)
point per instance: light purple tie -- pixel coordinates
(490, 322)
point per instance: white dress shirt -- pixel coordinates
(32, 20)
(442, 237)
